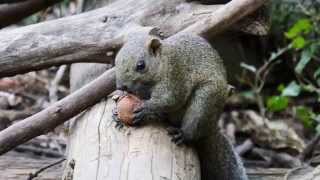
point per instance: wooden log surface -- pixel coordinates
(102, 152)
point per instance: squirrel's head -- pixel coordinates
(138, 63)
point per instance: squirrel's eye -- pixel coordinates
(140, 66)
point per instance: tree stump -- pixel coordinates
(100, 151)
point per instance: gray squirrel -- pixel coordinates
(181, 78)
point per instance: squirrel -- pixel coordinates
(181, 78)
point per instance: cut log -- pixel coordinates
(102, 152)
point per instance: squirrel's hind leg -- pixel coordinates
(218, 159)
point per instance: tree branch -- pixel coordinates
(89, 37)
(224, 17)
(58, 113)
(13, 13)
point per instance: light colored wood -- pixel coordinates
(237, 9)
(94, 36)
(102, 152)
(97, 35)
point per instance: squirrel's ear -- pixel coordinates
(154, 46)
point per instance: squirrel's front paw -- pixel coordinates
(140, 114)
(176, 135)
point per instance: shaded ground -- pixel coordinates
(18, 166)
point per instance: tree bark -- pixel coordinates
(102, 152)
(96, 36)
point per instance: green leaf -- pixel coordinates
(305, 115)
(299, 42)
(248, 67)
(277, 103)
(302, 26)
(305, 59)
(281, 87)
(292, 90)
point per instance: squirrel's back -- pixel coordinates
(196, 54)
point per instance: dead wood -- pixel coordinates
(76, 39)
(96, 36)
(58, 113)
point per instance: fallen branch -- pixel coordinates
(12, 115)
(309, 149)
(58, 113)
(244, 147)
(278, 158)
(38, 151)
(96, 36)
(13, 13)
(224, 17)
(36, 174)
(75, 103)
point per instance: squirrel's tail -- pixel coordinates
(218, 159)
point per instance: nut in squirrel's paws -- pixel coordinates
(125, 109)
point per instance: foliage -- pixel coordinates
(299, 25)
(277, 103)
